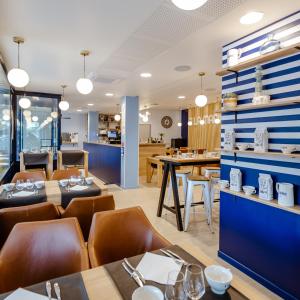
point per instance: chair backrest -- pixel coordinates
(200, 151)
(9, 217)
(121, 233)
(32, 175)
(84, 208)
(39, 251)
(184, 149)
(65, 174)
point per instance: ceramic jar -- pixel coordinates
(285, 194)
(235, 180)
(261, 140)
(233, 57)
(265, 186)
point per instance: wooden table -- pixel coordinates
(159, 164)
(98, 282)
(170, 164)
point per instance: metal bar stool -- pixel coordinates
(213, 173)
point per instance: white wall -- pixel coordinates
(75, 122)
(156, 128)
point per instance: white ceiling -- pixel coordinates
(126, 38)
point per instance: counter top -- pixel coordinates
(119, 145)
(152, 145)
(102, 144)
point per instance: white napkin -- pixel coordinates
(79, 188)
(23, 194)
(157, 267)
(21, 294)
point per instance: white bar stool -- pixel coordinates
(213, 173)
(195, 180)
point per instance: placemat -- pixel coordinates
(67, 196)
(71, 288)
(22, 201)
(126, 285)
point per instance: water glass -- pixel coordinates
(19, 185)
(194, 282)
(73, 181)
(175, 286)
(29, 184)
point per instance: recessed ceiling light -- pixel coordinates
(109, 94)
(189, 4)
(90, 104)
(251, 17)
(79, 110)
(181, 97)
(146, 75)
(183, 68)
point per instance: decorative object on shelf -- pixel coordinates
(161, 137)
(224, 184)
(259, 96)
(233, 57)
(243, 147)
(166, 122)
(230, 100)
(270, 45)
(235, 180)
(249, 190)
(285, 194)
(201, 100)
(288, 149)
(229, 139)
(17, 76)
(261, 139)
(189, 5)
(84, 85)
(63, 104)
(265, 182)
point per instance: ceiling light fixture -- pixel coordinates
(54, 114)
(79, 110)
(181, 97)
(251, 17)
(189, 4)
(202, 122)
(109, 94)
(90, 104)
(84, 85)
(201, 100)
(146, 75)
(35, 118)
(179, 124)
(190, 123)
(24, 102)
(6, 117)
(16, 76)
(117, 116)
(63, 104)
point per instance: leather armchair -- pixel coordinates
(9, 217)
(122, 233)
(39, 251)
(65, 174)
(84, 208)
(32, 175)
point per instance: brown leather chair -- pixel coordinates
(9, 217)
(32, 175)
(122, 233)
(39, 251)
(65, 174)
(84, 208)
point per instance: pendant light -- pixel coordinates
(84, 85)
(117, 116)
(16, 76)
(201, 100)
(189, 4)
(24, 102)
(63, 105)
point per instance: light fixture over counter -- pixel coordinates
(201, 100)
(84, 85)
(17, 76)
(63, 104)
(189, 4)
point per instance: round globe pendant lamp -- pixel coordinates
(117, 116)
(201, 100)
(24, 102)
(17, 76)
(84, 85)
(63, 104)
(189, 4)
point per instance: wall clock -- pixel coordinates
(166, 122)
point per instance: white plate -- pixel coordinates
(147, 292)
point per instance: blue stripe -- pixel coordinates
(270, 130)
(285, 141)
(281, 73)
(281, 61)
(241, 73)
(231, 85)
(268, 109)
(281, 84)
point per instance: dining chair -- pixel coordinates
(84, 208)
(32, 175)
(122, 233)
(9, 217)
(40, 251)
(153, 166)
(65, 174)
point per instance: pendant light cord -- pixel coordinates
(83, 66)
(18, 55)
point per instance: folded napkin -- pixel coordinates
(79, 188)
(23, 194)
(21, 294)
(157, 267)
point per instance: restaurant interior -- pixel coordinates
(149, 150)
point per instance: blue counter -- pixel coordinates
(104, 161)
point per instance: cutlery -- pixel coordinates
(57, 290)
(133, 275)
(48, 289)
(134, 270)
(175, 258)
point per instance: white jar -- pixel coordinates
(265, 186)
(235, 180)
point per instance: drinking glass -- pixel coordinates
(194, 282)
(29, 185)
(175, 286)
(72, 180)
(19, 185)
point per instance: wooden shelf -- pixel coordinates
(295, 209)
(261, 59)
(273, 103)
(292, 155)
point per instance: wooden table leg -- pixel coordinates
(163, 189)
(176, 198)
(148, 171)
(159, 174)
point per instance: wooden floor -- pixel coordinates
(198, 234)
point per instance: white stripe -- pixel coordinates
(271, 146)
(272, 135)
(292, 123)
